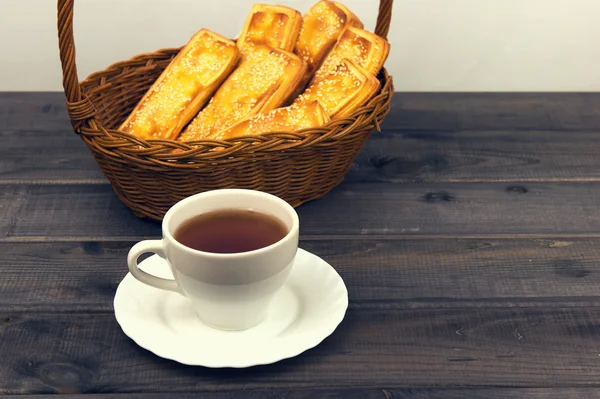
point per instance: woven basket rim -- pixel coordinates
(150, 176)
(111, 142)
(117, 142)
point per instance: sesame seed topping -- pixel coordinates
(340, 87)
(261, 72)
(270, 28)
(320, 29)
(351, 46)
(196, 67)
(289, 119)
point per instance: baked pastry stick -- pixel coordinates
(354, 20)
(322, 26)
(345, 89)
(293, 118)
(364, 48)
(184, 87)
(263, 81)
(275, 26)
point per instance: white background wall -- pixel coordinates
(437, 45)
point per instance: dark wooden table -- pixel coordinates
(468, 234)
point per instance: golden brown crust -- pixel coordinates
(275, 26)
(184, 87)
(290, 119)
(263, 81)
(322, 25)
(353, 20)
(364, 48)
(340, 93)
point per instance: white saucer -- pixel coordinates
(306, 310)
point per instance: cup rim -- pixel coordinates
(293, 231)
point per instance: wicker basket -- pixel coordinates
(149, 178)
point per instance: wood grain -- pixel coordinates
(477, 156)
(374, 347)
(410, 111)
(494, 111)
(84, 211)
(467, 233)
(398, 393)
(389, 156)
(67, 210)
(44, 111)
(28, 155)
(406, 274)
(435, 140)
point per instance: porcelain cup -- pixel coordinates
(227, 291)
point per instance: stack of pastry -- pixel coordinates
(285, 73)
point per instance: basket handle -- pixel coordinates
(79, 106)
(384, 18)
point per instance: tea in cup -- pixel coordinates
(229, 250)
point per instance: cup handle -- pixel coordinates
(143, 247)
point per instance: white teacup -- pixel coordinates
(228, 291)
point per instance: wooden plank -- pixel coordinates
(408, 274)
(473, 156)
(84, 211)
(375, 346)
(410, 111)
(494, 111)
(398, 393)
(38, 156)
(390, 156)
(73, 210)
(44, 111)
